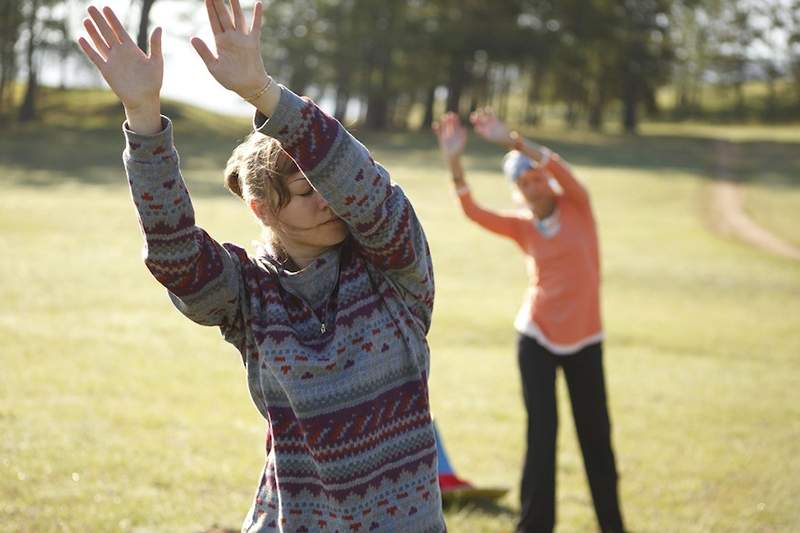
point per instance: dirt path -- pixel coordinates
(728, 216)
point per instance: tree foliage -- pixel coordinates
(389, 59)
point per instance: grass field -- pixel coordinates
(104, 426)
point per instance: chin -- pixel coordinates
(336, 234)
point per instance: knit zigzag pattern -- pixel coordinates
(336, 355)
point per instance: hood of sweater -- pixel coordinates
(314, 283)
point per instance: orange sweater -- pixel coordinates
(562, 305)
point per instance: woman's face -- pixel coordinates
(306, 226)
(535, 188)
(307, 220)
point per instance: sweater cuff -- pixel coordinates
(141, 147)
(277, 126)
(462, 191)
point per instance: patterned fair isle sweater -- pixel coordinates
(336, 356)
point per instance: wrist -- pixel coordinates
(144, 118)
(266, 98)
(254, 87)
(454, 163)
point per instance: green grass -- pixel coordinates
(117, 413)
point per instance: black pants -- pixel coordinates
(584, 374)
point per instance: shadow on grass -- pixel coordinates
(71, 155)
(88, 150)
(482, 506)
(778, 162)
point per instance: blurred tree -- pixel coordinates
(11, 19)
(794, 47)
(538, 40)
(45, 28)
(144, 25)
(691, 39)
(771, 33)
(644, 54)
(294, 33)
(734, 33)
(27, 110)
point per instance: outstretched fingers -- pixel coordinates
(203, 51)
(255, 29)
(155, 43)
(93, 56)
(117, 27)
(223, 15)
(99, 43)
(238, 15)
(103, 26)
(213, 19)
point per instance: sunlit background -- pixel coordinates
(682, 117)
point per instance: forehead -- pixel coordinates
(534, 175)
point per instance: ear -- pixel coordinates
(260, 211)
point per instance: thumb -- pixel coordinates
(155, 43)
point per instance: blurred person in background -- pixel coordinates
(559, 324)
(332, 313)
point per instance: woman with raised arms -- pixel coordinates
(330, 315)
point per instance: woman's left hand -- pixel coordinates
(491, 128)
(238, 65)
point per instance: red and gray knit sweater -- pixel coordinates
(336, 356)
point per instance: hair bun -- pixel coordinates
(232, 181)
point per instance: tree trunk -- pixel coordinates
(430, 100)
(342, 98)
(455, 84)
(8, 35)
(377, 108)
(739, 90)
(770, 111)
(343, 81)
(630, 100)
(532, 113)
(144, 25)
(27, 110)
(502, 104)
(378, 100)
(596, 113)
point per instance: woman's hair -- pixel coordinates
(257, 169)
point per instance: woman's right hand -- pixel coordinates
(133, 76)
(452, 136)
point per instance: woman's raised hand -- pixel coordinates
(133, 76)
(452, 136)
(238, 65)
(490, 127)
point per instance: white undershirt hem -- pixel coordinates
(525, 326)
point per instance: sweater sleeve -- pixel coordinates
(202, 277)
(360, 191)
(509, 226)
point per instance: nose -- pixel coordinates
(322, 203)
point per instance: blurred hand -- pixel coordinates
(238, 65)
(452, 136)
(490, 127)
(133, 76)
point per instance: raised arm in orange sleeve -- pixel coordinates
(573, 189)
(506, 225)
